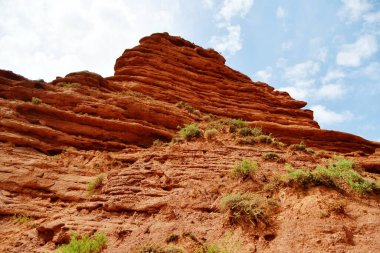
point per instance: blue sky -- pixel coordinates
(324, 52)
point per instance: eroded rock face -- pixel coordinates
(172, 69)
(137, 104)
(81, 110)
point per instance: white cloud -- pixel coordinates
(263, 75)
(300, 78)
(330, 91)
(300, 93)
(373, 17)
(280, 12)
(230, 43)
(333, 75)
(44, 39)
(303, 83)
(232, 8)
(287, 45)
(208, 3)
(328, 117)
(353, 54)
(353, 10)
(300, 74)
(322, 54)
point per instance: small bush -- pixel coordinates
(244, 168)
(302, 147)
(265, 139)
(270, 156)
(95, 184)
(190, 131)
(256, 131)
(86, 244)
(21, 218)
(235, 124)
(247, 208)
(211, 133)
(238, 123)
(247, 131)
(36, 100)
(68, 85)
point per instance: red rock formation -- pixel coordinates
(86, 111)
(172, 69)
(91, 115)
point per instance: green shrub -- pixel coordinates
(211, 133)
(247, 131)
(36, 100)
(95, 184)
(86, 244)
(190, 131)
(244, 168)
(270, 156)
(337, 174)
(247, 208)
(265, 138)
(238, 123)
(235, 124)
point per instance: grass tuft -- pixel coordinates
(85, 244)
(210, 134)
(244, 168)
(338, 174)
(247, 208)
(190, 131)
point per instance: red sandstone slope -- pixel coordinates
(106, 114)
